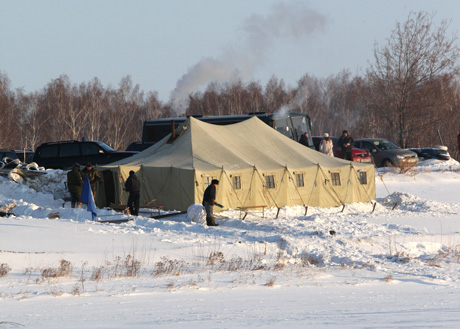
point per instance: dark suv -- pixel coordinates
(62, 155)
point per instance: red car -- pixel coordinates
(359, 155)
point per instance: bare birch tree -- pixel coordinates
(8, 130)
(407, 71)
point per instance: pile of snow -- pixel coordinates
(196, 214)
(438, 165)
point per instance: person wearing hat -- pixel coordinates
(133, 186)
(304, 139)
(326, 146)
(209, 200)
(93, 177)
(346, 144)
(75, 185)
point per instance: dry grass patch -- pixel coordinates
(64, 269)
(451, 254)
(4, 270)
(388, 278)
(169, 267)
(270, 283)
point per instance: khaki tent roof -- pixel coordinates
(249, 143)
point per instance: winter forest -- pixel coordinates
(409, 93)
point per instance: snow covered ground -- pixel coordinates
(395, 267)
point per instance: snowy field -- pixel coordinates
(395, 267)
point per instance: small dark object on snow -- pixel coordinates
(6, 214)
(332, 232)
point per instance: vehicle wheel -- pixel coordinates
(387, 163)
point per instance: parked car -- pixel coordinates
(63, 154)
(359, 155)
(437, 152)
(5, 153)
(26, 156)
(386, 153)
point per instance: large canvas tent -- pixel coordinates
(255, 164)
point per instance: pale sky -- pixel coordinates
(177, 46)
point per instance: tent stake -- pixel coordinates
(343, 208)
(395, 204)
(277, 213)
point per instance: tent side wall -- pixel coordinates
(236, 189)
(170, 187)
(309, 186)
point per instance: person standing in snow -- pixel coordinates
(346, 144)
(458, 142)
(75, 185)
(326, 145)
(93, 177)
(209, 200)
(133, 186)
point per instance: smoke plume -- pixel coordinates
(288, 21)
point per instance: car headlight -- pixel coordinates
(399, 157)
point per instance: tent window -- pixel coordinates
(335, 177)
(363, 177)
(299, 180)
(236, 182)
(270, 181)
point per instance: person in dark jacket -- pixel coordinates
(75, 185)
(346, 144)
(93, 177)
(133, 186)
(209, 200)
(304, 139)
(458, 141)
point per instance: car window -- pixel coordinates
(11, 155)
(367, 146)
(28, 156)
(282, 126)
(70, 150)
(49, 151)
(385, 145)
(90, 148)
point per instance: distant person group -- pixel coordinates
(76, 179)
(326, 146)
